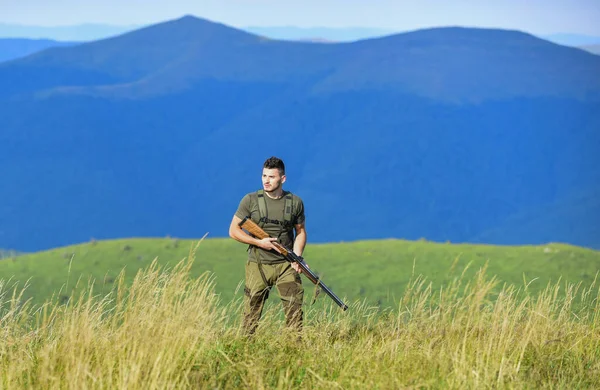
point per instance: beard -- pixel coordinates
(272, 188)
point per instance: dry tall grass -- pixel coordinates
(169, 331)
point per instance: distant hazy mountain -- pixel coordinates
(89, 32)
(318, 33)
(594, 49)
(573, 39)
(80, 32)
(11, 48)
(449, 134)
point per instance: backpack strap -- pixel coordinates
(263, 216)
(262, 208)
(287, 210)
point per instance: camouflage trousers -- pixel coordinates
(289, 286)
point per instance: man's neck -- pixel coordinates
(275, 194)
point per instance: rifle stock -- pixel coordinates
(256, 231)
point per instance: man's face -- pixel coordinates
(272, 179)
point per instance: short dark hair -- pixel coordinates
(274, 162)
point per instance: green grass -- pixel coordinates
(167, 329)
(374, 271)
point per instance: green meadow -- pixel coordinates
(375, 272)
(163, 313)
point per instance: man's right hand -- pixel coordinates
(267, 244)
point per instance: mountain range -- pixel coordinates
(460, 134)
(18, 40)
(91, 31)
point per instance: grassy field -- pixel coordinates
(167, 329)
(376, 272)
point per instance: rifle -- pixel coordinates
(290, 256)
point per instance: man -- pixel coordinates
(281, 215)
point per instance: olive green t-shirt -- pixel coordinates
(248, 207)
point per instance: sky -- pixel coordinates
(534, 16)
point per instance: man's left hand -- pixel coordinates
(297, 268)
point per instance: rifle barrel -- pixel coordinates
(315, 279)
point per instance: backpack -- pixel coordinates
(288, 207)
(285, 226)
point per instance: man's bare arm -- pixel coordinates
(236, 232)
(299, 244)
(300, 241)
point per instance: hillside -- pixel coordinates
(538, 223)
(447, 134)
(375, 271)
(170, 328)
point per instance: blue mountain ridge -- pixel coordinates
(452, 133)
